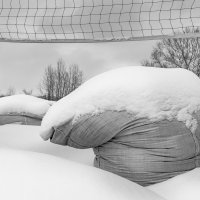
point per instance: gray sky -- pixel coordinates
(22, 65)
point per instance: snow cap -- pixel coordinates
(24, 104)
(155, 93)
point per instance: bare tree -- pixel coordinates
(60, 81)
(75, 78)
(47, 85)
(177, 52)
(1, 95)
(11, 91)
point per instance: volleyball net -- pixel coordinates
(97, 20)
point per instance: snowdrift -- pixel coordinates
(26, 138)
(182, 187)
(26, 175)
(17, 137)
(23, 109)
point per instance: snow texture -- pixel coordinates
(21, 173)
(182, 187)
(24, 104)
(26, 138)
(155, 93)
(28, 175)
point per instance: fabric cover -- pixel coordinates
(23, 109)
(142, 151)
(17, 118)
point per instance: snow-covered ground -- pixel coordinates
(33, 169)
(27, 138)
(182, 187)
(30, 175)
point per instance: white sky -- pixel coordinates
(22, 65)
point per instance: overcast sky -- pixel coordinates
(22, 65)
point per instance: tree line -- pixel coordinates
(56, 82)
(12, 91)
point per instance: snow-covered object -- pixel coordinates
(26, 175)
(155, 93)
(182, 187)
(24, 104)
(137, 149)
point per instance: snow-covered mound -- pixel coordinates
(182, 187)
(155, 93)
(24, 104)
(27, 138)
(26, 175)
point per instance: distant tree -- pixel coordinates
(61, 78)
(177, 52)
(75, 78)
(11, 91)
(1, 95)
(48, 83)
(60, 81)
(27, 92)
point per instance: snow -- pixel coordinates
(26, 138)
(24, 104)
(155, 93)
(30, 170)
(28, 175)
(182, 187)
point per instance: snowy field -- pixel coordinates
(27, 138)
(30, 176)
(182, 187)
(33, 169)
(28, 171)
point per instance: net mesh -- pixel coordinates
(97, 20)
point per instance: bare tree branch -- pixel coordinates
(177, 52)
(60, 81)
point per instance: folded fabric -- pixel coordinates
(23, 109)
(23, 119)
(142, 151)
